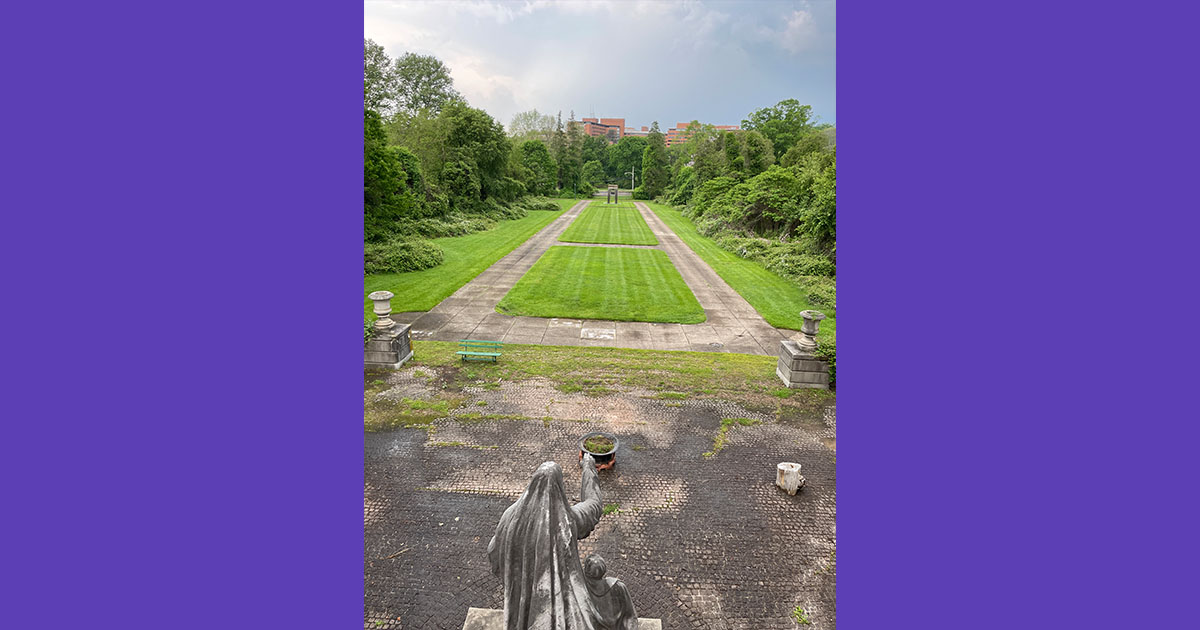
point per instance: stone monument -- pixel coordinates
(799, 366)
(613, 194)
(391, 344)
(536, 554)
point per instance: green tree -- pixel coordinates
(593, 173)
(624, 156)
(784, 124)
(757, 153)
(732, 144)
(531, 125)
(423, 83)
(393, 187)
(806, 145)
(543, 171)
(654, 164)
(595, 148)
(379, 80)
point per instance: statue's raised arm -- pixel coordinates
(590, 508)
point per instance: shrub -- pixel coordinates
(827, 351)
(368, 330)
(452, 225)
(398, 256)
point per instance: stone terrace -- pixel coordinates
(701, 542)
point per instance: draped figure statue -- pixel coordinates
(536, 554)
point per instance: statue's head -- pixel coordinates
(594, 567)
(547, 476)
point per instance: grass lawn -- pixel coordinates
(778, 300)
(466, 257)
(671, 375)
(620, 224)
(617, 283)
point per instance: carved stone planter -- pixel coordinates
(604, 460)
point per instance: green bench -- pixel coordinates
(473, 350)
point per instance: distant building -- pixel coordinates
(681, 131)
(630, 131)
(611, 128)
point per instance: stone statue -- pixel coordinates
(536, 554)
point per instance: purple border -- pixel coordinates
(190, 191)
(1007, 297)
(181, 233)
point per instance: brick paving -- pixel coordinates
(704, 543)
(732, 325)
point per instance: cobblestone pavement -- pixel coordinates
(732, 325)
(702, 542)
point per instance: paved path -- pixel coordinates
(703, 543)
(732, 325)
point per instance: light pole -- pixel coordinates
(630, 174)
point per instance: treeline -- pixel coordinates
(433, 165)
(767, 192)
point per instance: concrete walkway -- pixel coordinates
(732, 325)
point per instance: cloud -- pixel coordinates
(644, 60)
(800, 33)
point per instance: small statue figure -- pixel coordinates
(536, 554)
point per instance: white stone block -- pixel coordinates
(788, 477)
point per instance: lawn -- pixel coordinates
(466, 257)
(619, 224)
(777, 299)
(616, 283)
(672, 375)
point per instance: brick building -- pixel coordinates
(680, 132)
(611, 128)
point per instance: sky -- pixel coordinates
(670, 61)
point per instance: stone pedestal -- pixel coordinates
(390, 351)
(798, 368)
(493, 619)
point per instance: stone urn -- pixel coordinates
(604, 460)
(807, 339)
(383, 310)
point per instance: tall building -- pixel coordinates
(630, 131)
(611, 128)
(680, 132)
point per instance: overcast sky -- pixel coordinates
(670, 61)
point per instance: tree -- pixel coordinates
(543, 172)
(783, 124)
(807, 144)
(593, 174)
(570, 164)
(595, 148)
(531, 125)
(757, 153)
(379, 80)
(732, 145)
(423, 83)
(654, 163)
(624, 156)
(393, 188)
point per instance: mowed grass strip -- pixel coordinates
(466, 257)
(617, 283)
(619, 224)
(777, 299)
